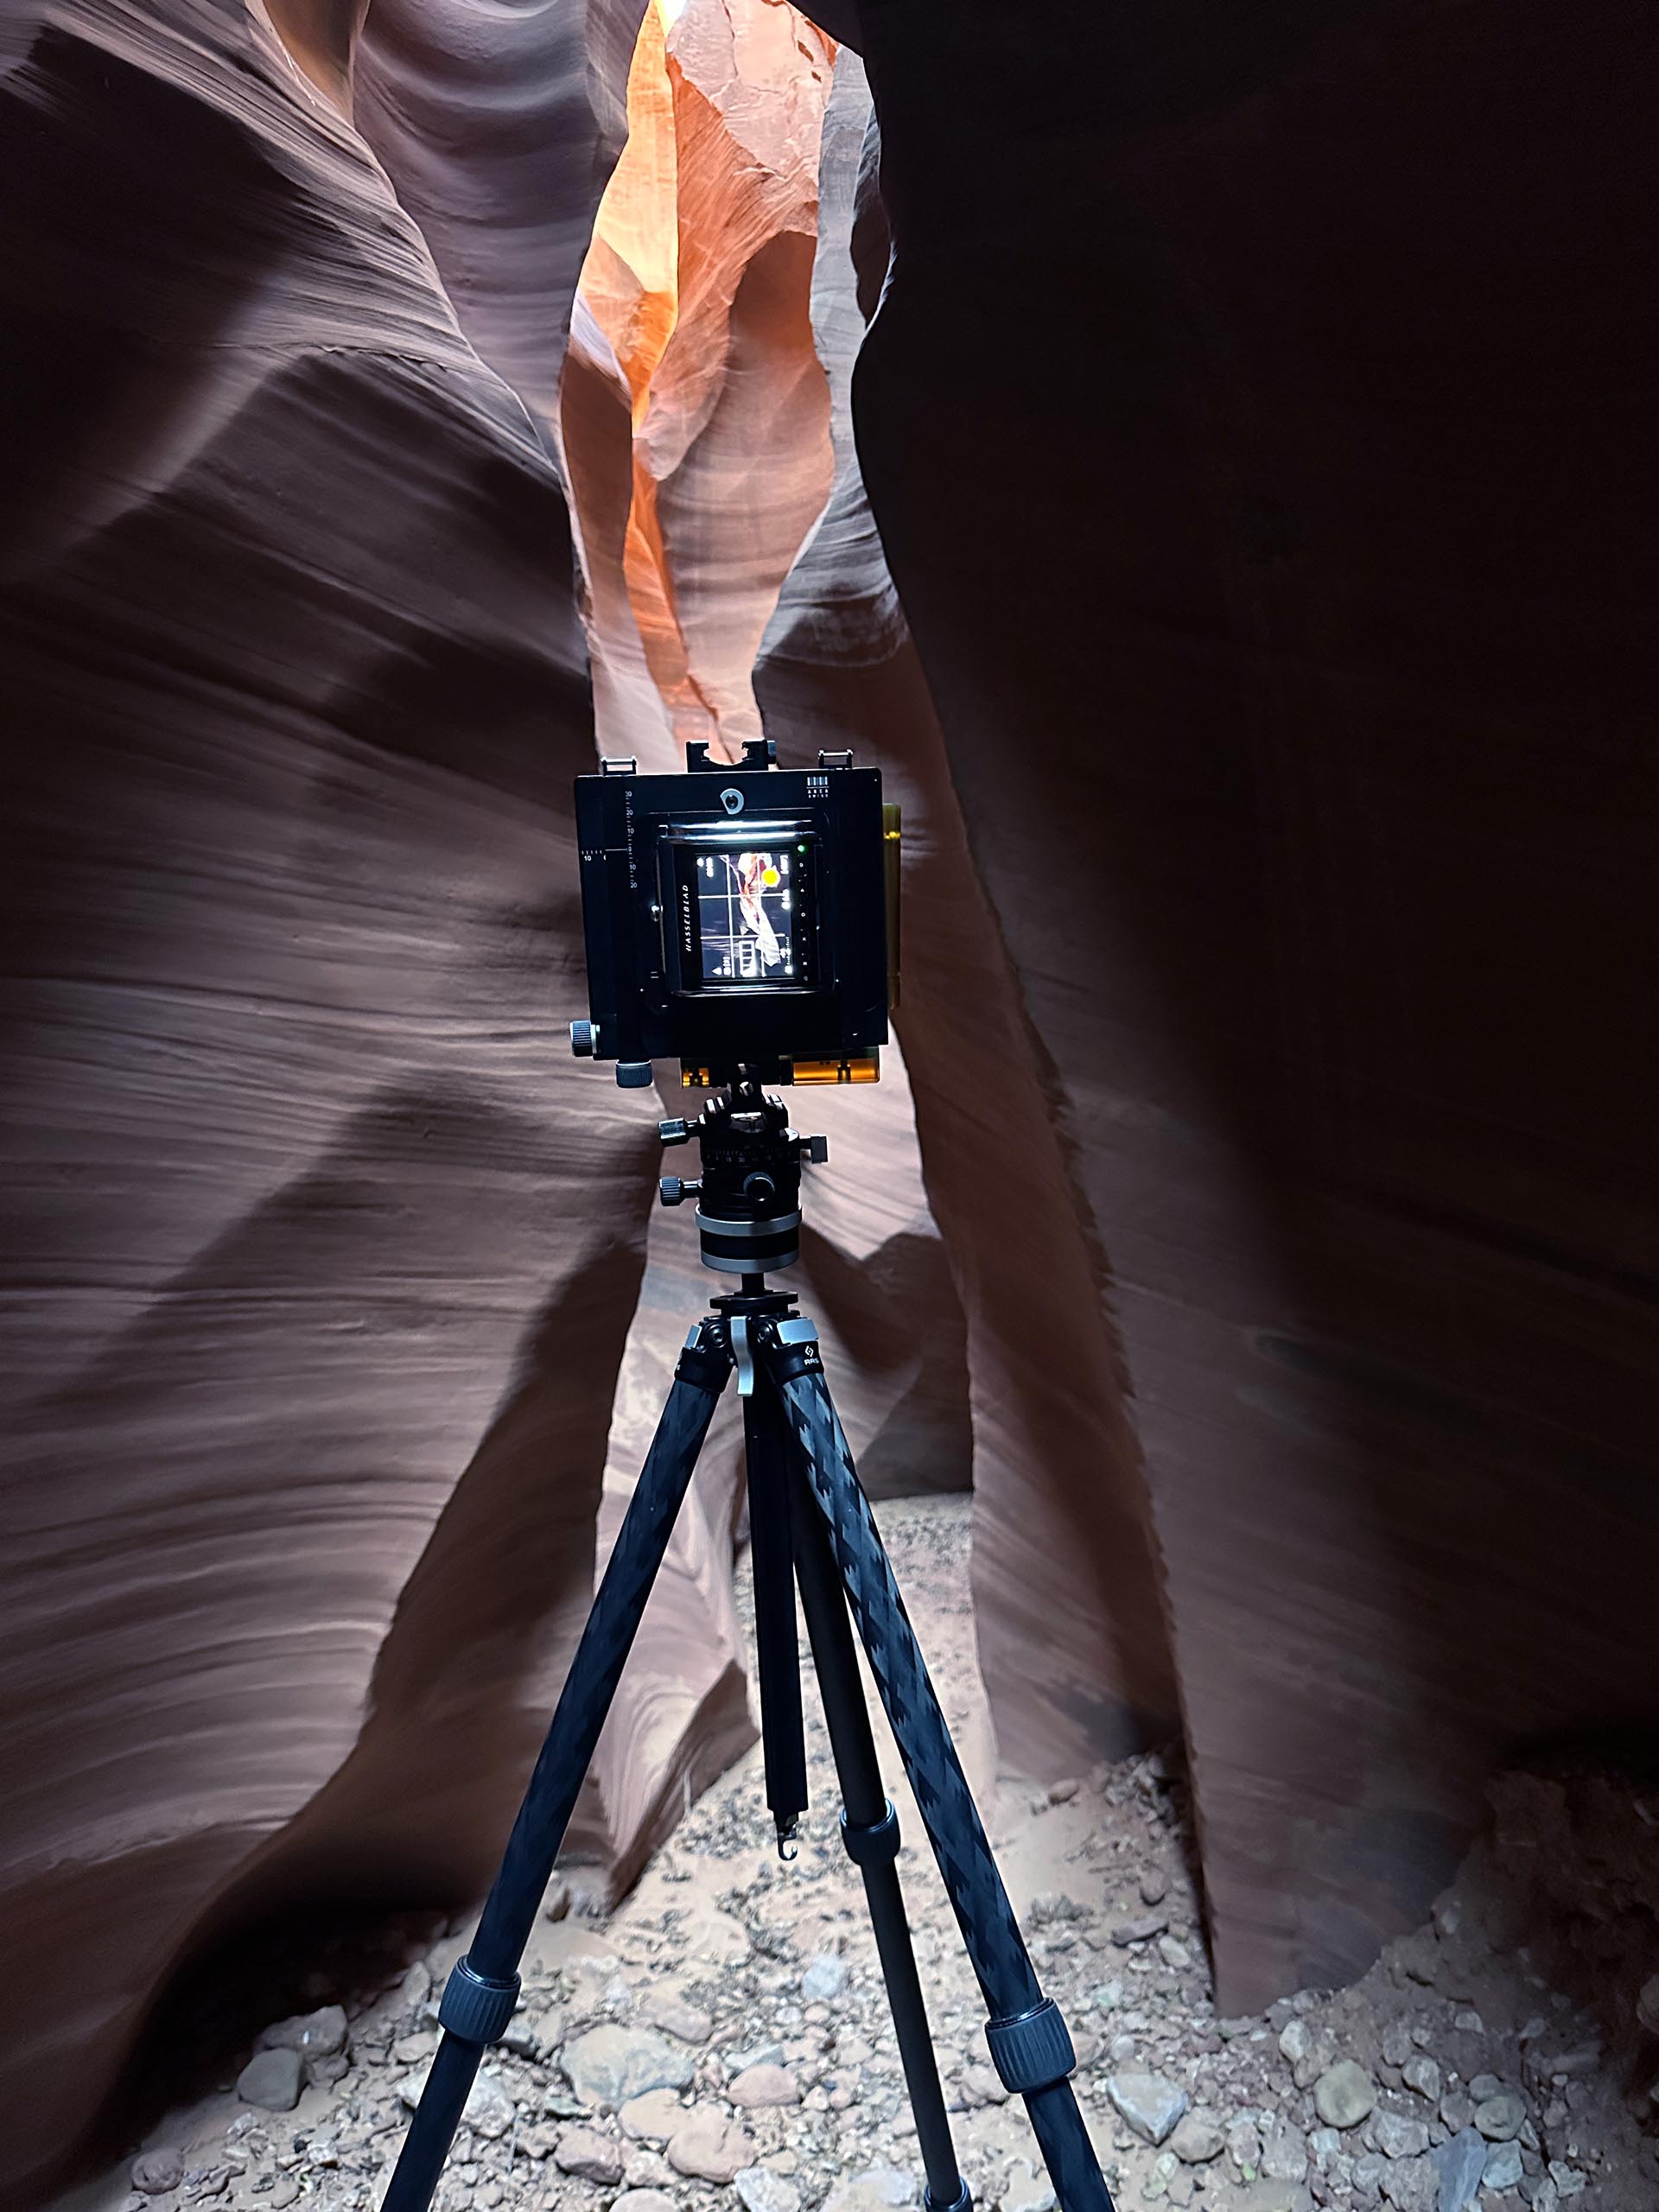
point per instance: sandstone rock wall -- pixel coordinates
(322, 1262)
(1069, 1627)
(1257, 428)
(1278, 549)
(319, 1263)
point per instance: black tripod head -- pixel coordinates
(749, 1193)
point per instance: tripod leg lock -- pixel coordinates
(793, 1348)
(476, 2009)
(1033, 2051)
(707, 1360)
(872, 1843)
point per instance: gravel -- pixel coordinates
(722, 2039)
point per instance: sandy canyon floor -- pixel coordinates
(722, 2039)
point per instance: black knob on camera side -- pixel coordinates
(676, 1131)
(584, 1039)
(673, 1191)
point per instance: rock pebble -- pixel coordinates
(610, 2064)
(1197, 2138)
(1412, 2185)
(319, 2034)
(1399, 2138)
(710, 2147)
(1244, 2146)
(1346, 2094)
(1141, 1931)
(759, 2189)
(1149, 2104)
(643, 2200)
(1308, 2056)
(589, 2155)
(757, 2087)
(272, 2080)
(1422, 2075)
(155, 2172)
(1027, 2190)
(1500, 2117)
(1461, 2166)
(663, 2009)
(1284, 2151)
(1503, 2169)
(983, 2085)
(652, 2118)
(883, 2189)
(825, 1978)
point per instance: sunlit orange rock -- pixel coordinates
(695, 411)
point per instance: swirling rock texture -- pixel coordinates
(319, 1264)
(1278, 545)
(323, 1270)
(692, 412)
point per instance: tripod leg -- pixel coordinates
(1029, 2043)
(765, 1443)
(869, 1828)
(480, 1993)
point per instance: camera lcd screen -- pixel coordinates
(747, 909)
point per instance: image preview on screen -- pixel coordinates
(746, 916)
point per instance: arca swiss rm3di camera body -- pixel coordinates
(738, 918)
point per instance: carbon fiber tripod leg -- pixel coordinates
(1028, 2040)
(869, 1828)
(480, 1993)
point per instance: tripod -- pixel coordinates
(810, 1523)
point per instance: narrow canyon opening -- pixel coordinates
(694, 411)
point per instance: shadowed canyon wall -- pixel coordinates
(1280, 558)
(1259, 430)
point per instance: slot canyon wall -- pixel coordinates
(1259, 436)
(1289, 627)
(336, 1317)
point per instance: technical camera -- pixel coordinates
(740, 920)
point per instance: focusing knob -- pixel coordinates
(674, 1132)
(584, 1039)
(673, 1192)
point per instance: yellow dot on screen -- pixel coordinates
(768, 877)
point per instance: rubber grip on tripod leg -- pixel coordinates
(1067, 2152)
